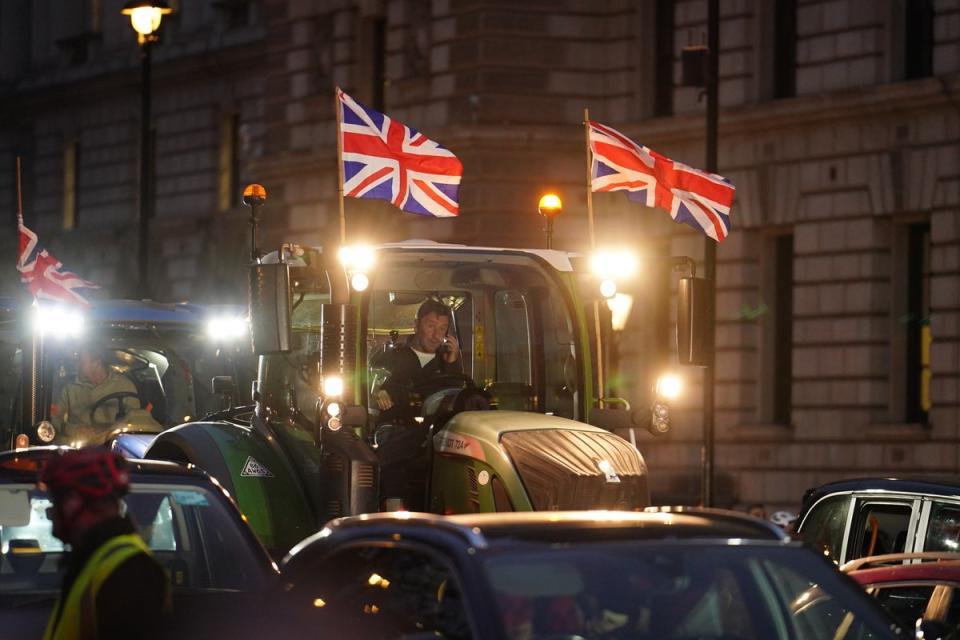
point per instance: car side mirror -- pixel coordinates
(270, 322)
(695, 319)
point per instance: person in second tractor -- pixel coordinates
(84, 411)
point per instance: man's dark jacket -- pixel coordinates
(406, 375)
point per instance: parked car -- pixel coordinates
(681, 573)
(851, 519)
(923, 593)
(218, 569)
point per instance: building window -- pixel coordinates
(228, 162)
(916, 323)
(663, 69)
(71, 171)
(918, 39)
(776, 378)
(371, 61)
(785, 49)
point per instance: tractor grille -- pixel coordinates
(473, 489)
(565, 469)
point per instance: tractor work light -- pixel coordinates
(227, 328)
(333, 409)
(357, 258)
(332, 386)
(669, 386)
(59, 321)
(612, 264)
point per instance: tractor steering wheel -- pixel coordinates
(119, 396)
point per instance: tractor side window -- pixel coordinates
(513, 338)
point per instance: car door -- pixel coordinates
(881, 524)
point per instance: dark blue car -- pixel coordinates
(688, 574)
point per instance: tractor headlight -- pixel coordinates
(333, 409)
(46, 432)
(59, 321)
(660, 420)
(227, 328)
(333, 423)
(359, 281)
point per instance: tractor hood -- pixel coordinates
(562, 464)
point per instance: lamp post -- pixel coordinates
(550, 207)
(145, 17)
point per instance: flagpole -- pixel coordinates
(601, 387)
(343, 217)
(36, 339)
(19, 195)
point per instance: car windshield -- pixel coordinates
(657, 590)
(187, 528)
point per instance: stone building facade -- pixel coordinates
(838, 289)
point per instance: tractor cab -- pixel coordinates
(160, 364)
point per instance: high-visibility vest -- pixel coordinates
(78, 619)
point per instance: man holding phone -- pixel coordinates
(417, 366)
(432, 352)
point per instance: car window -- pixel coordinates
(943, 529)
(815, 612)
(657, 590)
(879, 528)
(907, 603)
(187, 528)
(375, 592)
(824, 526)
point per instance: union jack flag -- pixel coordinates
(699, 199)
(385, 159)
(43, 274)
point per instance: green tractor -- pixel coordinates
(524, 426)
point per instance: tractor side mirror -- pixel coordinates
(270, 327)
(695, 319)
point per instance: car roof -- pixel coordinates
(22, 465)
(483, 530)
(933, 485)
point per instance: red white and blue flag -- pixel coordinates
(387, 160)
(697, 198)
(44, 275)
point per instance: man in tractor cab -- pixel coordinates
(432, 352)
(420, 366)
(99, 397)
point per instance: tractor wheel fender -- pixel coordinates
(194, 443)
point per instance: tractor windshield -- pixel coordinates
(511, 319)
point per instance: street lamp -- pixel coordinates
(145, 17)
(550, 207)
